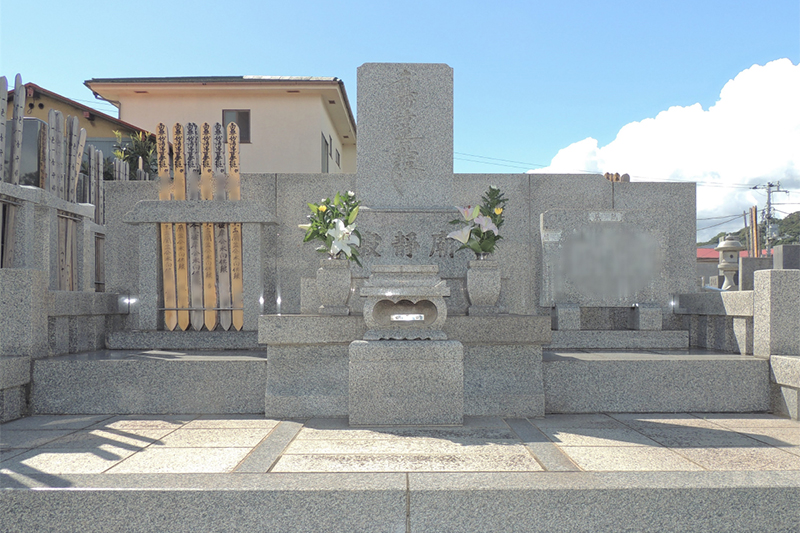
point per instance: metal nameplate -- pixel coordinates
(406, 318)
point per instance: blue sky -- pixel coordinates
(531, 78)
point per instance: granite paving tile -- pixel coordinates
(181, 461)
(72, 461)
(780, 437)
(11, 452)
(597, 436)
(636, 420)
(546, 453)
(698, 437)
(266, 454)
(131, 439)
(231, 422)
(575, 421)
(407, 463)
(627, 458)
(54, 422)
(391, 433)
(418, 446)
(753, 420)
(742, 458)
(146, 421)
(214, 438)
(29, 438)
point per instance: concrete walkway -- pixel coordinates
(628, 463)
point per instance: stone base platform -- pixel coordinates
(308, 363)
(307, 381)
(150, 382)
(650, 473)
(406, 383)
(651, 381)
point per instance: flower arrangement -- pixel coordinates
(333, 223)
(483, 223)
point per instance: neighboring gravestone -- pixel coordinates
(749, 265)
(786, 256)
(405, 135)
(605, 258)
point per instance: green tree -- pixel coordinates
(139, 145)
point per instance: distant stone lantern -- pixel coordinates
(729, 249)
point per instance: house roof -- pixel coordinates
(112, 89)
(33, 88)
(711, 253)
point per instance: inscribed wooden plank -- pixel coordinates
(195, 239)
(234, 193)
(15, 158)
(221, 233)
(167, 248)
(91, 197)
(61, 178)
(3, 107)
(181, 256)
(99, 185)
(69, 228)
(44, 159)
(209, 268)
(63, 268)
(52, 168)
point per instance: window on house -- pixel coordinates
(338, 159)
(240, 117)
(325, 148)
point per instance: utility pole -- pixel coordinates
(769, 213)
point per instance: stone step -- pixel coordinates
(150, 382)
(403, 502)
(182, 340)
(654, 381)
(619, 339)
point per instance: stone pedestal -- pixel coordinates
(646, 317)
(406, 383)
(566, 317)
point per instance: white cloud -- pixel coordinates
(750, 136)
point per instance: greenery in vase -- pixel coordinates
(482, 223)
(333, 223)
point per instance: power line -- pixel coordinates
(488, 163)
(717, 218)
(524, 163)
(720, 224)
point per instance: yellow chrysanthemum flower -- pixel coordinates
(498, 210)
(322, 208)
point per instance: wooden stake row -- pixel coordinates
(61, 150)
(201, 263)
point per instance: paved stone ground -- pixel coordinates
(208, 444)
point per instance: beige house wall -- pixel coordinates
(285, 129)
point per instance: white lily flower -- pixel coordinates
(461, 235)
(469, 212)
(343, 238)
(486, 224)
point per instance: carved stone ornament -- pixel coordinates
(405, 302)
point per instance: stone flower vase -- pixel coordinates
(483, 286)
(333, 286)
